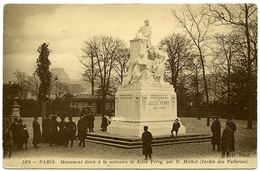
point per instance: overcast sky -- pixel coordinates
(66, 27)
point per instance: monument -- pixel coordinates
(145, 99)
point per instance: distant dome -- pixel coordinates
(61, 74)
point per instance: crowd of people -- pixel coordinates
(61, 133)
(53, 132)
(226, 142)
(20, 133)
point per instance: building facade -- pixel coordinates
(94, 102)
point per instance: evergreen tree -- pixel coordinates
(44, 74)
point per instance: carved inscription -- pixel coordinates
(159, 101)
(126, 96)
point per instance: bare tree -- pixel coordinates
(21, 79)
(62, 89)
(225, 52)
(178, 49)
(33, 83)
(243, 17)
(196, 24)
(89, 63)
(104, 51)
(195, 68)
(120, 67)
(75, 88)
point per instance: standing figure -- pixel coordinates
(21, 139)
(147, 146)
(158, 64)
(175, 127)
(216, 131)
(233, 126)
(37, 136)
(82, 130)
(84, 113)
(104, 123)
(46, 129)
(62, 131)
(54, 131)
(71, 132)
(146, 33)
(227, 141)
(91, 120)
(14, 128)
(25, 136)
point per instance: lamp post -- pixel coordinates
(56, 80)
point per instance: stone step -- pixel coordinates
(137, 142)
(113, 144)
(155, 140)
(140, 145)
(133, 139)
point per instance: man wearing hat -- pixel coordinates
(232, 126)
(37, 136)
(147, 143)
(82, 130)
(227, 145)
(175, 127)
(14, 128)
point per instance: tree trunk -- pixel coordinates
(92, 87)
(249, 83)
(228, 97)
(205, 86)
(43, 110)
(197, 95)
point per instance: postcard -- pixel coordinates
(130, 86)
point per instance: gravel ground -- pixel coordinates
(246, 143)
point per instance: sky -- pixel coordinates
(66, 27)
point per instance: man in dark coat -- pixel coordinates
(71, 132)
(37, 136)
(62, 131)
(175, 127)
(147, 146)
(84, 113)
(227, 141)
(14, 128)
(54, 131)
(233, 126)
(216, 133)
(104, 123)
(20, 140)
(91, 120)
(82, 130)
(46, 129)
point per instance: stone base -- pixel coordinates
(135, 129)
(138, 105)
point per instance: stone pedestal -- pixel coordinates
(153, 105)
(136, 46)
(15, 111)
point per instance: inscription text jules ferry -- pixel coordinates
(155, 99)
(159, 100)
